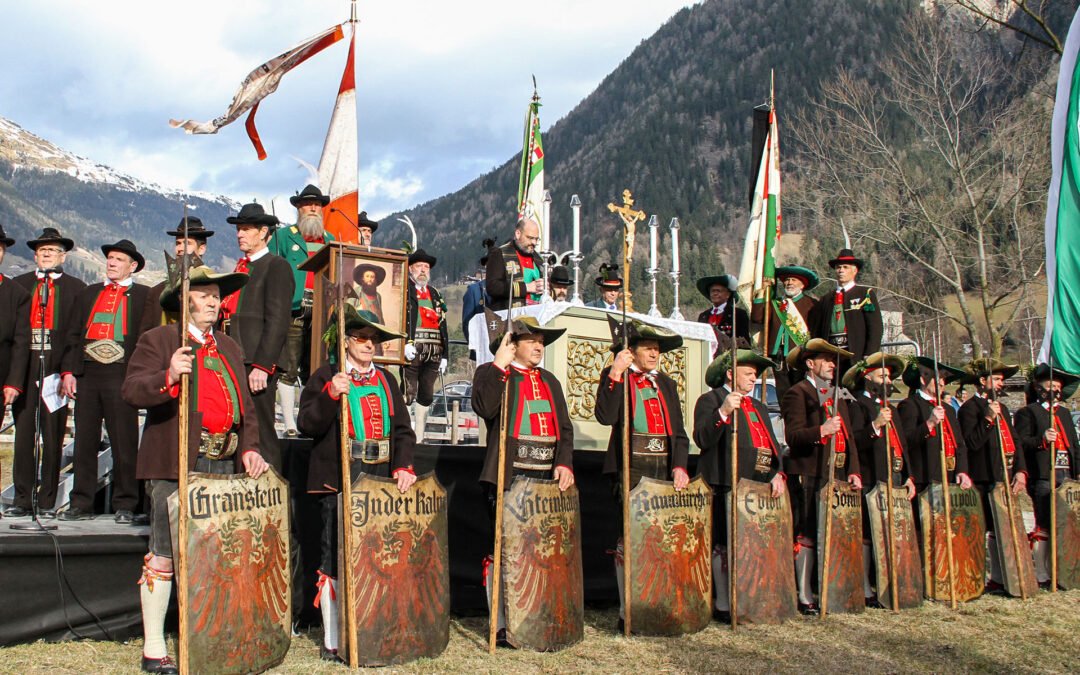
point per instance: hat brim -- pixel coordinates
(714, 374)
(857, 262)
(913, 379)
(140, 262)
(429, 259)
(809, 278)
(383, 333)
(666, 343)
(8, 242)
(66, 243)
(705, 283)
(227, 283)
(258, 221)
(358, 273)
(853, 378)
(297, 200)
(550, 334)
(192, 234)
(814, 347)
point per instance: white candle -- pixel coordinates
(654, 228)
(545, 230)
(575, 205)
(674, 226)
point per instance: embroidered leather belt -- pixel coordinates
(104, 351)
(373, 451)
(1061, 458)
(427, 335)
(532, 453)
(41, 339)
(841, 460)
(950, 463)
(308, 301)
(763, 460)
(839, 340)
(897, 464)
(648, 444)
(218, 446)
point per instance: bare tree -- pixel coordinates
(940, 172)
(1011, 15)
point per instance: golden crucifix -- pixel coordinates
(629, 217)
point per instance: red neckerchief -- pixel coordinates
(111, 300)
(1007, 443)
(758, 434)
(950, 440)
(841, 439)
(230, 303)
(35, 310)
(656, 413)
(894, 438)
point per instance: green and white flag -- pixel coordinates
(531, 183)
(758, 262)
(1063, 217)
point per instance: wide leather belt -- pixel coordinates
(532, 453)
(838, 340)
(648, 444)
(218, 446)
(427, 335)
(373, 451)
(763, 460)
(308, 301)
(104, 351)
(41, 339)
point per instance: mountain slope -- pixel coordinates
(672, 124)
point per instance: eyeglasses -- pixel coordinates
(49, 250)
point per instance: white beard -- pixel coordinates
(310, 225)
(790, 293)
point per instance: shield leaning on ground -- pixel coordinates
(909, 578)
(1003, 536)
(1068, 534)
(541, 565)
(765, 583)
(239, 600)
(969, 542)
(670, 544)
(845, 559)
(400, 570)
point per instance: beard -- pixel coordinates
(792, 293)
(310, 225)
(874, 389)
(422, 279)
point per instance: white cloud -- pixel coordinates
(442, 86)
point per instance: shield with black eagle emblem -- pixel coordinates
(909, 580)
(765, 583)
(968, 542)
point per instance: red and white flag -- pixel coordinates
(338, 166)
(262, 82)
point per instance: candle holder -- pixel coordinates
(575, 255)
(675, 313)
(674, 227)
(654, 231)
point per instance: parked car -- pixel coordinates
(438, 427)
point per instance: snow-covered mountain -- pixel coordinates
(44, 185)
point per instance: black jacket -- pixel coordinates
(74, 357)
(66, 290)
(264, 312)
(873, 448)
(742, 321)
(412, 308)
(803, 416)
(1032, 421)
(609, 412)
(320, 417)
(14, 333)
(984, 444)
(714, 438)
(924, 448)
(862, 315)
(498, 277)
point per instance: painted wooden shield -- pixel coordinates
(765, 583)
(844, 506)
(671, 557)
(909, 576)
(400, 570)
(1003, 536)
(239, 602)
(1068, 534)
(969, 542)
(541, 565)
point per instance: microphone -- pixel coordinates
(44, 300)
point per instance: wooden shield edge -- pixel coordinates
(1003, 541)
(907, 552)
(926, 512)
(785, 603)
(1068, 534)
(846, 555)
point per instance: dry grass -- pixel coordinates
(991, 634)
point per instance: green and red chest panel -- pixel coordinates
(650, 410)
(759, 435)
(950, 439)
(36, 319)
(521, 268)
(108, 317)
(312, 246)
(217, 391)
(427, 312)
(532, 408)
(370, 407)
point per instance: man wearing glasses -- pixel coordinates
(516, 258)
(52, 310)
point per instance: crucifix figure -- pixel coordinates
(629, 217)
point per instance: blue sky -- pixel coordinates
(442, 87)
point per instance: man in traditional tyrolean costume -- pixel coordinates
(427, 342)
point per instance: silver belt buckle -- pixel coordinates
(105, 351)
(375, 451)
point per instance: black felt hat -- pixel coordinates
(50, 235)
(253, 214)
(913, 379)
(309, 194)
(358, 273)
(609, 277)
(728, 281)
(520, 326)
(362, 220)
(7, 241)
(560, 275)
(636, 331)
(127, 247)
(420, 255)
(196, 230)
(846, 257)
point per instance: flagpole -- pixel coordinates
(768, 287)
(183, 420)
(495, 579)
(733, 599)
(1053, 474)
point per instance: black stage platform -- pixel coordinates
(102, 561)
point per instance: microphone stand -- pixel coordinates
(35, 525)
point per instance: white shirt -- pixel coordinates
(350, 367)
(719, 309)
(252, 257)
(848, 286)
(52, 275)
(199, 335)
(125, 283)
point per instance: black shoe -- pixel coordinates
(124, 517)
(721, 616)
(1044, 585)
(17, 512)
(141, 519)
(329, 655)
(809, 610)
(873, 603)
(621, 626)
(164, 665)
(48, 514)
(994, 588)
(74, 513)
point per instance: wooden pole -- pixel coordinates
(495, 579)
(938, 393)
(183, 422)
(346, 572)
(626, 487)
(733, 535)
(1009, 501)
(826, 557)
(1053, 477)
(894, 595)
